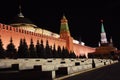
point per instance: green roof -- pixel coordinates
(102, 28)
(64, 27)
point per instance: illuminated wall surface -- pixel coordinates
(7, 32)
(22, 28)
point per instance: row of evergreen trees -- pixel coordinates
(34, 51)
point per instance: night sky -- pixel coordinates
(83, 17)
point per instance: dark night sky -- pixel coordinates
(83, 17)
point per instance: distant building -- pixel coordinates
(105, 49)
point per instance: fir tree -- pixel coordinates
(59, 52)
(11, 51)
(43, 55)
(25, 49)
(65, 53)
(2, 51)
(38, 49)
(51, 55)
(54, 52)
(47, 50)
(32, 50)
(20, 50)
(72, 55)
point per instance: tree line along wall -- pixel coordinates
(7, 32)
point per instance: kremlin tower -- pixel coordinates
(104, 48)
(103, 34)
(65, 33)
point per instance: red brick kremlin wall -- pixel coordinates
(7, 32)
(82, 50)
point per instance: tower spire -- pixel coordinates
(20, 11)
(64, 26)
(103, 34)
(102, 26)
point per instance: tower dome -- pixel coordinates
(21, 22)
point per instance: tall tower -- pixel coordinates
(65, 33)
(103, 34)
(64, 29)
